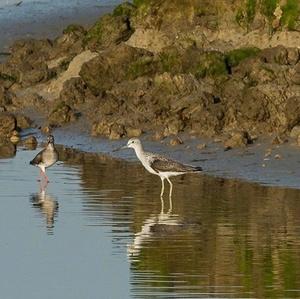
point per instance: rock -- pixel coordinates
(176, 141)
(113, 130)
(293, 55)
(295, 132)
(115, 65)
(8, 124)
(5, 98)
(201, 146)
(100, 128)
(74, 92)
(23, 122)
(209, 63)
(133, 132)
(71, 40)
(27, 63)
(15, 138)
(279, 139)
(114, 135)
(174, 126)
(7, 149)
(53, 90)
(298, 140)
(116, 131)
(238, 139)
(278, 156)
(61, 114)
(217, 140)
(296, 78)
(46, 129)
(30, 142)
(33, 74)
(159, 135)
(111, 29)
(277, 54)
(30, 50)
(292, 111)
(268, 153)
(152, 40)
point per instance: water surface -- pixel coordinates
(46, 18)
(100, 230)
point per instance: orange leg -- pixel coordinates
(46, 177)
(39, 179)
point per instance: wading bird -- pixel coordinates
(160, 165)
(46, 158)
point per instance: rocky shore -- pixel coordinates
(230, 72)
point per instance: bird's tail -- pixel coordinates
(31, 162)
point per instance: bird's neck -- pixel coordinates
(50, 146)
(139, 151)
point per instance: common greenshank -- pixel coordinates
(160, 165)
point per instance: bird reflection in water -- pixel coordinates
(160, 223)
(47, 206)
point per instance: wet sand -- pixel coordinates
(262, 162)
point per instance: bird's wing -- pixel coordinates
(56, 153)
(161, 163)
(38, 158)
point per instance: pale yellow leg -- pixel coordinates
(170, 205)
(162, 187)
(171, 187)
(162, 205)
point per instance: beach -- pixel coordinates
(206, 84)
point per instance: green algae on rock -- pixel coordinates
(111, 28)
(234, 57)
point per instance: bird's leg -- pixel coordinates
(170, 205)
(39, 179)
(171, 187)
(46, 177)
(162, 205)
(162, 187)
(45, 184)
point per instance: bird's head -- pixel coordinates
(134, 143)
(50, 139)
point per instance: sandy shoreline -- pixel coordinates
(262, 162)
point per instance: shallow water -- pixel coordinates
(99, 230)
(46, 18)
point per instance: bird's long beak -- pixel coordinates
(120, 148)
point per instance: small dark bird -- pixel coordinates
(46, 158)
